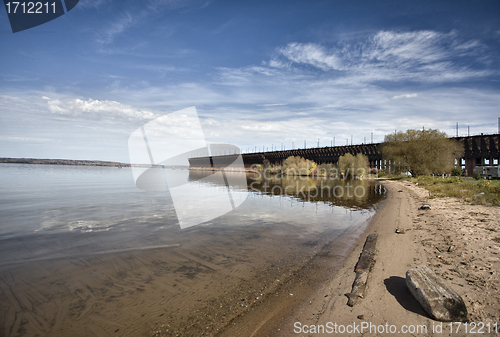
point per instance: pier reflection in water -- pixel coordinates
(348, 193)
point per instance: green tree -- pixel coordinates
(421, 152)
(353, 166)
(298, 166)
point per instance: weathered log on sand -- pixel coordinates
(362, 270)
(440, 301)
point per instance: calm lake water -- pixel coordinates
(104, 203)
(83, 248)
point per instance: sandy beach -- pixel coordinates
(456, 240)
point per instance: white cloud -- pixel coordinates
(310, 53)
(405, 96)
(276, 64)
(272, 104)
(95, 109)
(398, 48)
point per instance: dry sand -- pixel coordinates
(471, 267)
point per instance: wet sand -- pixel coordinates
(470, 267)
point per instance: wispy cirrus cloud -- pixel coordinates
(402, 48)
(107, 34)
(311, 53)
(138, 13)
(422, 56)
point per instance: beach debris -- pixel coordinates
(440, 301)
(451, 249)
(479, 194)
(400, 231)
(361, 317)
(400, 191)
(362, 270)
(425, 206)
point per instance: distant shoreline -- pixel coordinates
(62, 162)
(78, 162)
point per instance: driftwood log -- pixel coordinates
(440, 301)
(362, 270)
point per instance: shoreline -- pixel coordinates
(262, 319)
(470, 267)
(73, 162)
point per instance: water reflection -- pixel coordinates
(357, 194)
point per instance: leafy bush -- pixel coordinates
(326, 170)
(298, 166)
(457, 171)
(353, 166)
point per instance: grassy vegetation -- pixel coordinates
(482, 192)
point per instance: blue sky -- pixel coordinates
(260, 73)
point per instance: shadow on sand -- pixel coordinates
(397, 287)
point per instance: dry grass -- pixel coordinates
(479, 192)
